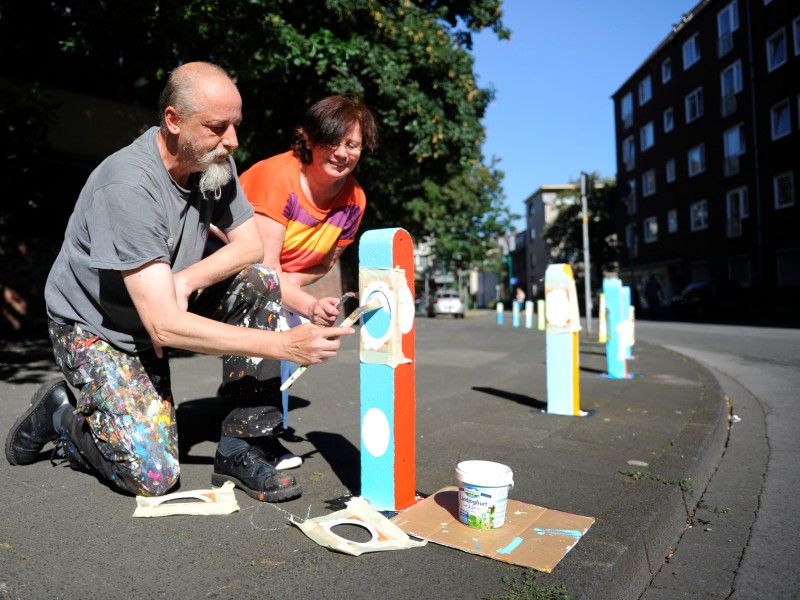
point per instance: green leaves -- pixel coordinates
(407, 59)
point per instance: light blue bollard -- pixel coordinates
(515, 314)
(499, 313)
(529, 314)
(615, 315)
(388, 394)
(562, 341)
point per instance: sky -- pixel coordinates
(553, 116)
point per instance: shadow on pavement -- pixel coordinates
(342, 456)
(518, 398)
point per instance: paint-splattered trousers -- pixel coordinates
(123, 429)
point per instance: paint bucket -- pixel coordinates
(483, 493)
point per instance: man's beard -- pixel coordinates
(215, 173)
(215, 177)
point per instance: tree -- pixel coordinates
(565, 234)
(408, 60)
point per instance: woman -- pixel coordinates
(309, 206)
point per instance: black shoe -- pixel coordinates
(250, 470)
(35, 428)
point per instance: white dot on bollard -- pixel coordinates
(375, 432)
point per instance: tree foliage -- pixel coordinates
(409, 60)
(565, 234)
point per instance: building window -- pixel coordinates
(645, 90)
(698, 215)
(739, 270)
(737, 209)
(796, 28)
(783, 186)
(629, 153)
(730, 83)
(631, 240)
(694, 105)
(646, 136)
(630, 196)
(670, 168)
(727, 23)
(666, 70)
(780, 118)
(672, 221)
(626, 110)
(648, 183)
(697, 160)
(691, 52)
(669, 119)
(776, 49)
(734, 145)
(650, 230)
(788, 267)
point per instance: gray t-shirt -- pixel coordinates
(129, 213)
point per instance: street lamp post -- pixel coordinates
(586, 265)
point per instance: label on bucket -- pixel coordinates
(482, 507)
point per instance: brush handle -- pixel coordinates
(351, 318)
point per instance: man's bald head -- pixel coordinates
(188, 86)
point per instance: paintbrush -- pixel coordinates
(373, 303)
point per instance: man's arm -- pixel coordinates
(243, 249)
(152, 289)
(321, 311)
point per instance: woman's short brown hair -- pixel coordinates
(326, 123)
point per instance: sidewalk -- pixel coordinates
(481, 390)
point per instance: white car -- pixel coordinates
(447, 302)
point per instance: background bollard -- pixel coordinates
(515, 313)
(602, 330)
(499, 313)
(540, 318)
(627, 321)
(388, 394)
(529, 314)
(562, 343)
(615, 346)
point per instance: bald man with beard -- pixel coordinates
(131, 282)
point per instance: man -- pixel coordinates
(130, 282)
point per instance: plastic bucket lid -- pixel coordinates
(484, 473)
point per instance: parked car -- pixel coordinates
(705, 298)
(447, 302)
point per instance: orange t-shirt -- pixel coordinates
(273, 188)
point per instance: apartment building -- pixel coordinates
(541, 209)
(708, 154)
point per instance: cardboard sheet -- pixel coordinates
(532, 536)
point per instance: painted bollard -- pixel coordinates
(515, 313)
(540, 319)
(529, 314)
(499, 313)
(615, 316)
(388, 394)
(602, 328)
(627, 321)
(562, 341)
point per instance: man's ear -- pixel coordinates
(173, 120)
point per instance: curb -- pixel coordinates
(629, 541)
